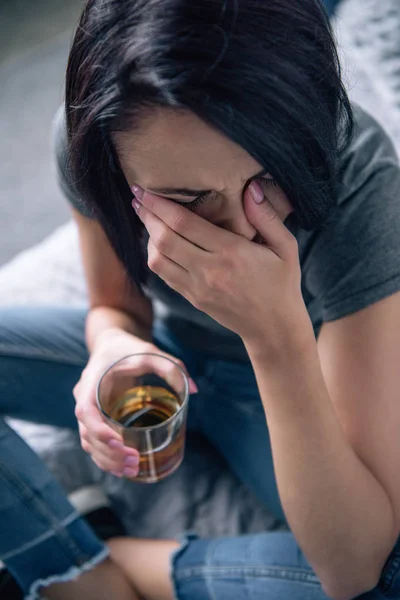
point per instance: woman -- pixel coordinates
(238, 214)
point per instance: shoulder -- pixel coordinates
(61, 159)
(370, 151)
(353, 260)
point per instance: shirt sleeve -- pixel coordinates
(355, 260)
(60, 157)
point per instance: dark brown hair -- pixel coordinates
(265, 73)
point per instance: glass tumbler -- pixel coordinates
(144, 397)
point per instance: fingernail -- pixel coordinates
(127, 472)
(256, 192)
(116, 473)
(115, 444)
(138, 191)
(136, 205)
(193, 389)
(131, 461)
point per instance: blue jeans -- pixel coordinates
(43, 540)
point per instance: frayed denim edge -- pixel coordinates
(185, 540)
(70, 575)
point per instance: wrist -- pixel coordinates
(106, 323)
(292, 341)
(117, 337)
(106, 336)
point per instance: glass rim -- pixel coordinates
(151, 427)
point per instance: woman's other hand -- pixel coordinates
(106, 446)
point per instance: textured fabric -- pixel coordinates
(43, 351)
(355, 261)
(42, 354)
(49, 273)
(348, 264)
(266, 566)
(37, 520)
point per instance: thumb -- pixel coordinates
(263, 216)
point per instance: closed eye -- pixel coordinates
(202, 198)
(195, 203)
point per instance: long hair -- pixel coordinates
(265, 73)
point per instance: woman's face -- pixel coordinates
(177, 156)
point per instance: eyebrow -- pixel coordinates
(193, 193)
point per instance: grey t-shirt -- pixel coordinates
(347, 265)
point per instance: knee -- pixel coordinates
(43, 333)
(12, 333)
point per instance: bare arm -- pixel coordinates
(119, 323)
(334, 404)
(115, 309)
(114, 305)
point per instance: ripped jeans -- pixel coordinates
(43, 540)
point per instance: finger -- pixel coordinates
(76, 390)
(170, 370)
(83, 433)
(190, 226)
(89, 415)
(126, 469)
(109, 459)
(168, 270)
(119, 457)
(95, 427)
(115, 462)
(92, 446)
(169, 243)
(112, 447)
(193, 389)
(115, 451)
(262, 214)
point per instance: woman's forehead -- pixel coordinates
(176, 148)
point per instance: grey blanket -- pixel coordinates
(203, 495)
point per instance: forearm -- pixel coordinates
(103, 320)
(338, 511)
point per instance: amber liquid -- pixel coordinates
(161, 449)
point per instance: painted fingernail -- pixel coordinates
(138, 191)
(115, 444)
(136, 205)
(127, 472)
(131, 461)
(193, 389)
(256, 192)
